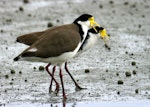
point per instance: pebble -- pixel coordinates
(2, 30)
(11, 83)
(120, 82)
(21, 8)
(25, 1)
(20, 72)
(128, 74)
(12, 71)
(41, 68)
(6, 76)
(87, 70)
(100, 6)
(34, 68)
(137, 91)
(117, 74)
(134, 72)
(111, 2)
(25, 80)
(49, 24)
(126, 3)
(118, 92)
(133, 63)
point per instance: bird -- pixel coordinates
(89, 42)
(59, 44)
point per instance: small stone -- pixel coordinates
(34, 68)
(57, 20)
(137, 91)
(21, 8)
(100, 6)
(133, 63)
(118, 92)
(25, 1)
(120, 82)
(131, 54)
(29, 15)
(25, 80)
(12, 71)
(134, 72)
(6, 76)
(41, 68)
(87, 70)
(143, 16)
(128, 74)
(20, 72)
(2, 30)
(117, 74)
(8, 20)
(133, 6)
(126, 3)
(49, 24)
(113, 11)
(11, 83)
(111, 2)
(139, 25)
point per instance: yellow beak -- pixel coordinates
(92, 23)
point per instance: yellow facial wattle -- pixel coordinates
(92, 23)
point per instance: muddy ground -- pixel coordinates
(127, 22)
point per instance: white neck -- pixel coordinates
(85, 26)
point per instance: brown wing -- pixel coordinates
(54, 43)
(30, 38)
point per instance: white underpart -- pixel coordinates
(58, 60)
(91, 41)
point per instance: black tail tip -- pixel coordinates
(17, 40)
(16, 59)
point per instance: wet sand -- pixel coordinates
(127, 23)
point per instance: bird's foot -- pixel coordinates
(78, 88)
(50, 91)
(56, 89)
(64, 98)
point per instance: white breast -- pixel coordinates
(91, 41)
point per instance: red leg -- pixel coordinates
(52, 76)
(76, 84)
(63, 90)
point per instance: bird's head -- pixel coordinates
(87, 20)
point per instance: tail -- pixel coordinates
(24, 55)
(16, 58)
